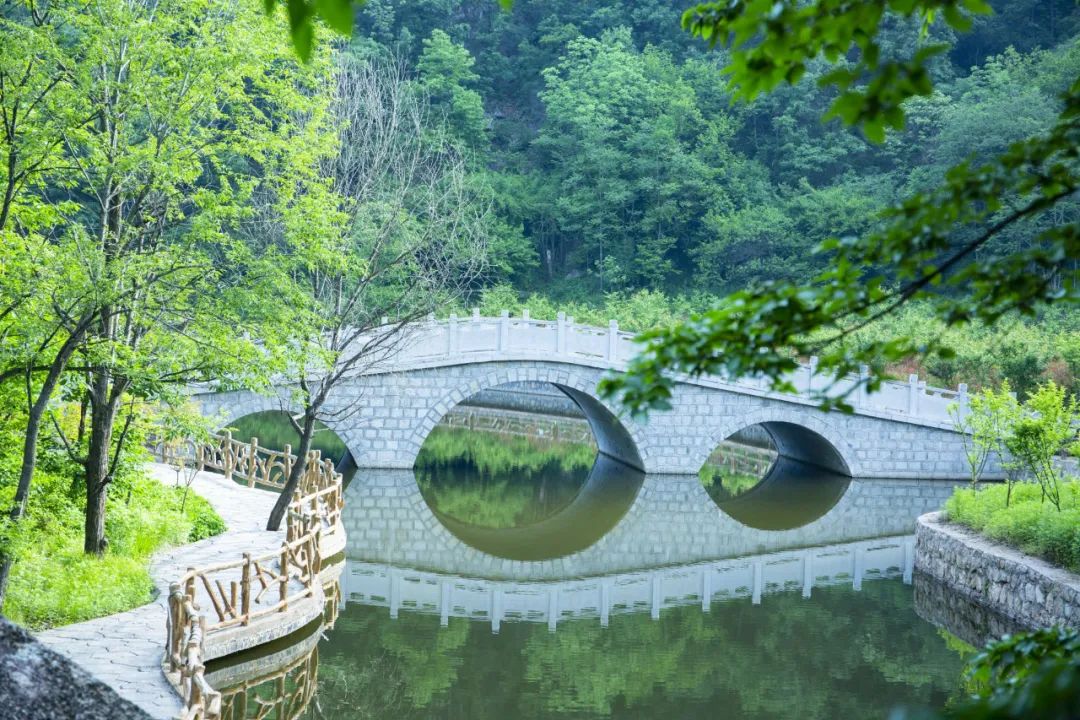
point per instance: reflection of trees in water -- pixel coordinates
(722, 484)
(499, 481)
(390, 667)
(280, 694)
(734, 468)
(838, 654)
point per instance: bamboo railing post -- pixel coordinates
(245, 590)
(227, 456)
(288, 462)
(175, 628)
(284, 591)
(253, 461)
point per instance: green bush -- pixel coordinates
(54, 583)
(1029, 523)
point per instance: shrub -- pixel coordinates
(1029, 522)
(54, 583)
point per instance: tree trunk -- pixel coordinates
(298, 469)
(29, 453)
(104, 402)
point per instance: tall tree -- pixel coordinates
(380, 223)
(944, 246)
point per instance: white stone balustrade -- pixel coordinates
(484, 339)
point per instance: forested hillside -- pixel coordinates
(618, 161)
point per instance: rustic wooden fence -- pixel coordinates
(212, 599)
(256, 466)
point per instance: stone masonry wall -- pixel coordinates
(1020, 587)
(385, 419)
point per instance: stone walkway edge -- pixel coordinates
(125, 650)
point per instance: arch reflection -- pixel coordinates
(792, 494)
(608, 492)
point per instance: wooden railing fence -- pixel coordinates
(211, 599)
(256, 466)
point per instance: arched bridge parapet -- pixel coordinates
(385, 416)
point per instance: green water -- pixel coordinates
(840, 653)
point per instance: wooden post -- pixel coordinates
(245, 589)
(253, 461)
(284, 582)
(227, 456)
(287, 461)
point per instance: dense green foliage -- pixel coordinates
(1028, 522)
(1028, 675)
(614, 148)
(55, 583)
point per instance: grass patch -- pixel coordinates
(54, 583)
(1029, 523)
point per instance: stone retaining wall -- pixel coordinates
(1022, 588)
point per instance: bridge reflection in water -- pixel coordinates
(651, 591)
(617, 594)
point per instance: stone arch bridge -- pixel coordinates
(904, 430)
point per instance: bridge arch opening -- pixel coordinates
(775, 475)
(528, 470)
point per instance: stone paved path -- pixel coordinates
(125, 650)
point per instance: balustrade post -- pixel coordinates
(613, 340)
(913, 394)
(245, 589)
(560, 333)
(962, 400)
(860, 394)
(452, 335)
(811, 370)
(504, 331)
(525, 314)
(476, 314)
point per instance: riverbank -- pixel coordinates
(125, 650)
(1020, 587)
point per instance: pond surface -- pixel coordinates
(512, 575)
